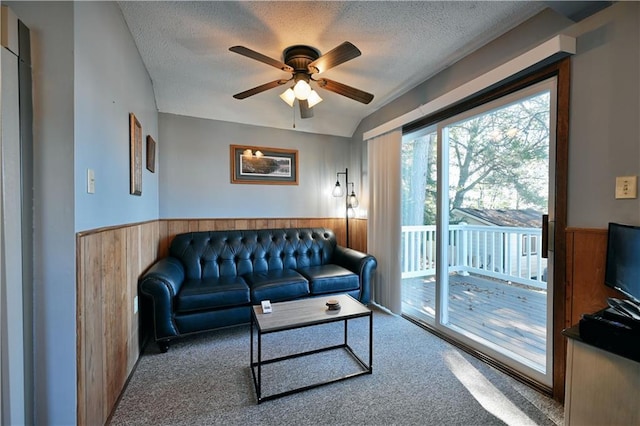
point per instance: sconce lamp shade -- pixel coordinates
(351, 213)
(288, 96)
(353, 200)
(337, 190)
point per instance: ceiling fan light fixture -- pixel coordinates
(302, 90)
(313, 99)
(288, 96)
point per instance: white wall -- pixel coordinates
(110, 81)
(195, 179)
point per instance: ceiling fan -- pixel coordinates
(303, 62)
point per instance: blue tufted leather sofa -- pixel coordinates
(211, 279)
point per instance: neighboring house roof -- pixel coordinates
(522, 218)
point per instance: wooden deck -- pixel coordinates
(510, 316)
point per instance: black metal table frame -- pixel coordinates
(257, 377)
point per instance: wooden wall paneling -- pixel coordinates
(90, 352)
(223, 225)
(245, 224)
(588, 291)
(115, 310)
(134, 254)
(358, 234)
(569, 278)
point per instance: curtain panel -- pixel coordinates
(384, 223)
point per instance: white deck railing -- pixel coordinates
(506, 253)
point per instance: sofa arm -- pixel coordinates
(160, 284)
(359, 263)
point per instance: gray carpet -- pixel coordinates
(417, 379)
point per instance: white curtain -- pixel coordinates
(384, 222)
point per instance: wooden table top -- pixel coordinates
(305, 312)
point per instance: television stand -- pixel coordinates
(601, 387)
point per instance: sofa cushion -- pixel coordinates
(212, 293)
(276, 285)
(330, 279)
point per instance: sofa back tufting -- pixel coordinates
(216, 254)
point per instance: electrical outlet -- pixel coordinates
(135, 304)
(626, 187)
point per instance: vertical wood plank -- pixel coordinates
(115, 312)
(207, 225)
(91, 329)
(569, 277)
(589, 293)
(134, 257)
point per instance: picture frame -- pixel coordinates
(151, 154)
(135, 155)
(263, 165)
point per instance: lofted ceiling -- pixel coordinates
(185, 47)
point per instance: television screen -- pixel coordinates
(622, 270)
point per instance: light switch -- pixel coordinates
(91, 181)
(626, 187)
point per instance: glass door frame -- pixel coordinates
(442, 234)
(560, 67)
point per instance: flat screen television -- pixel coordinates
(622, 270)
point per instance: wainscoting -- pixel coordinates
(585, 291)
(109, 263)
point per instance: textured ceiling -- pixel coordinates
(184, 46)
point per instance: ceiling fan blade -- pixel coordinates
(344, 90)
(341, 54)
(305, 111)
(259, 89)
(244, 51)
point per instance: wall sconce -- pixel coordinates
(351, 201)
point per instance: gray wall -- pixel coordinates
(87, 76)
(110, 82)
(605, 116)
(54, 320)
(605, 112)
(195, 179)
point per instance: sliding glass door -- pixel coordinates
(475, 189)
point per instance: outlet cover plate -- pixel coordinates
(626, 187)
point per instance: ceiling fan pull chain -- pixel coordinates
(294, 117)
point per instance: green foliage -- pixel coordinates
(497, 159)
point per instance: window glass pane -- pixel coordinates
(419, 179)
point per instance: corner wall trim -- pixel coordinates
(558, 44)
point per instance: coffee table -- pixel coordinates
(306, 313)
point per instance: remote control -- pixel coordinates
(266, 307)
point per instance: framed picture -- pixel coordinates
(261, 165)
(151, 154)
(135, 142)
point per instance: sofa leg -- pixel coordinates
(163, 345)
